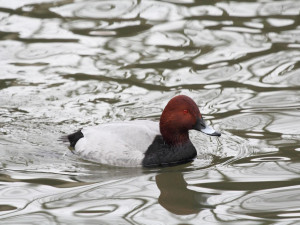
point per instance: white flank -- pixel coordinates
(118, 144)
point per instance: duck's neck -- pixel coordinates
(174, 137)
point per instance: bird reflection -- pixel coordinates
(177, 198)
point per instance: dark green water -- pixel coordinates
(69, 64)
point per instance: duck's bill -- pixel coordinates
(204, 128)
(210, 131)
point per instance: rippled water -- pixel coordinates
(68, 64)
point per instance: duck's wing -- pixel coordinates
(119, 144)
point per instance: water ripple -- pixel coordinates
(70, 64)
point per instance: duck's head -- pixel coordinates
(180, 115)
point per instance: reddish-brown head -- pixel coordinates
(180, 115)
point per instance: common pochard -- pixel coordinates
(144, 143)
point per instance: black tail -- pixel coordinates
(72, 138)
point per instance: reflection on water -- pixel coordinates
(177, 198)
(68, 64)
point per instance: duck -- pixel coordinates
(143, 143)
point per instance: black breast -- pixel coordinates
(161, 154)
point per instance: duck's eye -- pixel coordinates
(185, 111)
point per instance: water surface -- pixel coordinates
(69, 64)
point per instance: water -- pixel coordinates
(69, 64)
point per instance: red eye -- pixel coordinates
(185, 111)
